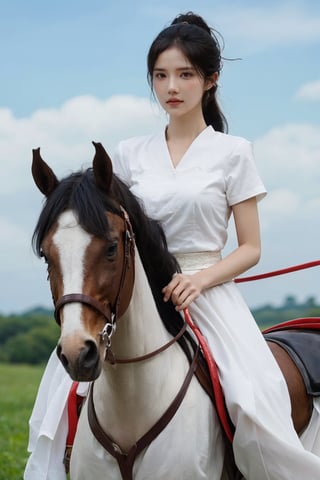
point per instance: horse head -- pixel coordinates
(85, 237)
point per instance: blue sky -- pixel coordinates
(74, 71)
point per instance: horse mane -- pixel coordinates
(80, 193)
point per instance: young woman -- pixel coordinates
(192, 177)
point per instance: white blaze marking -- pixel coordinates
(71, 241)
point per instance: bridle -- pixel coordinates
(108, 311)
(111, 312)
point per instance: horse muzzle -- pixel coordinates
(80, 359)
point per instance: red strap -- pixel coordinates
(213, 369)
(72, 413)
(275, 273)
(307, 323)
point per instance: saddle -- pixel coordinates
(303, 346)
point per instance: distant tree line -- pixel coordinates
(269, 315)
(30, 337)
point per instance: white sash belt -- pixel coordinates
(197, 260)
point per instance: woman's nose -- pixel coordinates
(172, 85)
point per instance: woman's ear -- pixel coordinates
(211, 81)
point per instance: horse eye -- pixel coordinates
(42, 255)
(112, 250)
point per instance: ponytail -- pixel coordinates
(211, 111)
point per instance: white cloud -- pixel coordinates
(281, 202)
(309, 91)
(12, 234)
(289, 158)
(13, 241)
(65, 134)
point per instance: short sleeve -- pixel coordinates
(242, 178)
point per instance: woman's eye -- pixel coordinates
(159, 76)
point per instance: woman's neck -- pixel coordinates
(184, 128)
(179, 136)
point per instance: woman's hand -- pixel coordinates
(182, 290)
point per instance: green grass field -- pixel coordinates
(18, 387)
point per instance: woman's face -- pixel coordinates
(178, 86)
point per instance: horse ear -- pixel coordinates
(102, 168)
(42, 174)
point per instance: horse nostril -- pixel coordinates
(89, 354)
(63, 359)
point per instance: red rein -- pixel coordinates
(275, 273)
(213, 369)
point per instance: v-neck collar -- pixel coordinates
(209, 128)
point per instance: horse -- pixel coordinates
(146, 415)
(107, 263)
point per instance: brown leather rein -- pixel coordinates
(126, 459)
(111, 313)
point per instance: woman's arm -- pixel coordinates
(183, 289)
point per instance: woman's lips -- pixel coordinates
(174, 101)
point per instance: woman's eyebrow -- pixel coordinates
(161, 69)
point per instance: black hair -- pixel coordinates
(199, 44)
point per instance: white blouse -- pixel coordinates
(192, 200)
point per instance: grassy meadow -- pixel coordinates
(18, 387)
